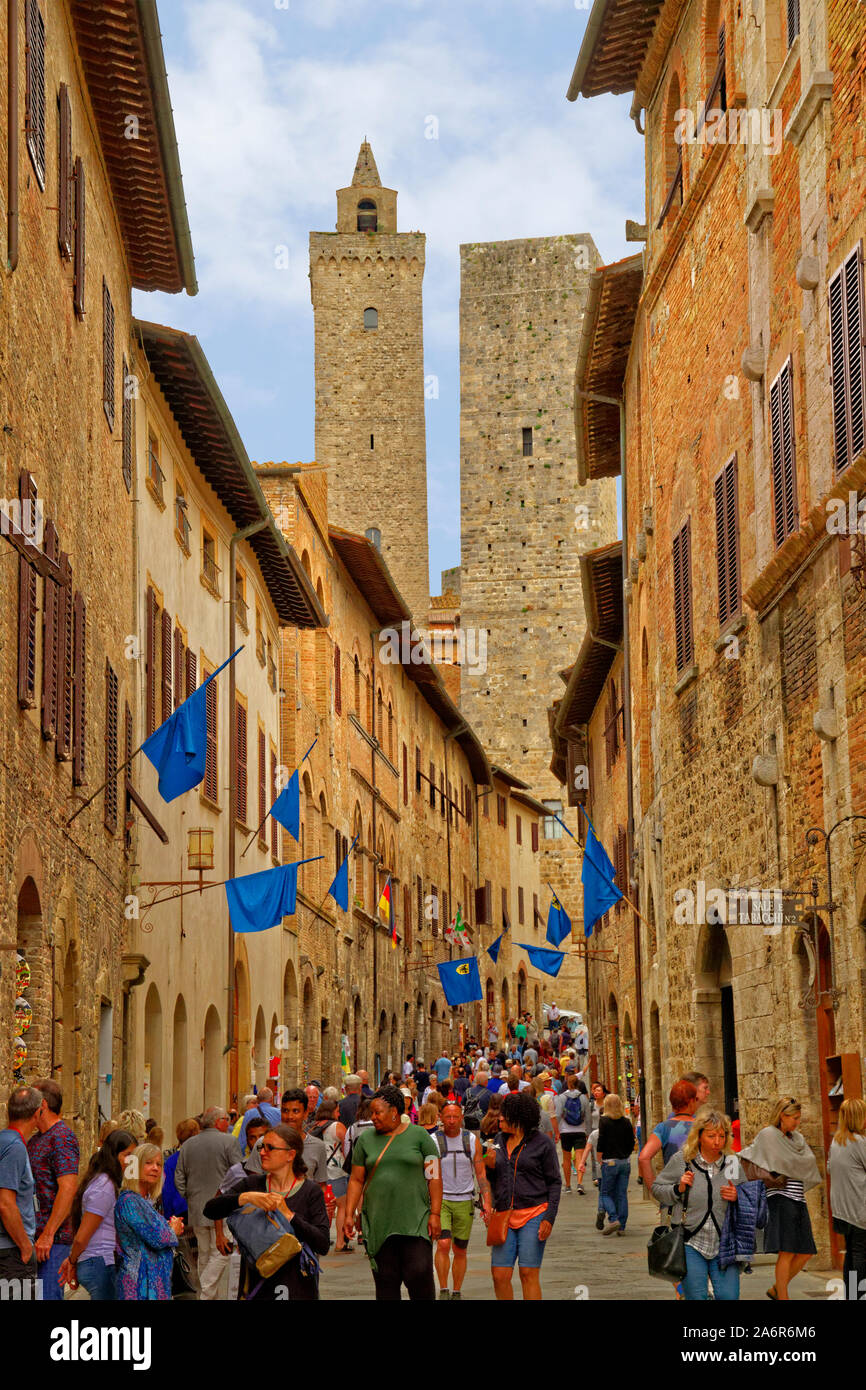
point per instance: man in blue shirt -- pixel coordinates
(442, 1067)
(18, 1192)
(265, 1107)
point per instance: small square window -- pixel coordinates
(527, 442)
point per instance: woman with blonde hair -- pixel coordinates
(847, 1168)
(134, 1123)
(428, 1116)
(780, 1152)
(697, 1184)
(615, 1147)
(147, 1241)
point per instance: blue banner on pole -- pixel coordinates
(259, 901)
(597, 875)
(178, 748)
(461, 981)
(549, 962)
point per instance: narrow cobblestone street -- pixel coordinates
(580, 1264)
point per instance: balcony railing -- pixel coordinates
(242, 613)
(210, 571)
(260, 647)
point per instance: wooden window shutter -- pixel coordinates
(417, 770)
(432, 788)
(275, 825)
(535, 837)
(240, 761)
(49, 639)
(167, 688)
(405, 775)
(150, 662)
(520, 905)
(111, 714)
(407, 918)
(63, 711)
(785, 511)
(469, 806)
(338, 682)
(178, 667)
(683, 597)
(65, 188)
(419, 903)
(127, 424)
(263, 788)
(191, 672)
(727, 541)
(79, 694)
(519, 832)
(80, 252)
(27, 600)
(211, 779)
(848, 359)
(793, 20)
(107, 355)
(34, 102)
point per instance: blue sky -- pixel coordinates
(271, 102)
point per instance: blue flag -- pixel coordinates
(178, 748)
(339, 889)
(259, 901)
(550, 962)
(494, 948)
(287, 807)
(558, 922)
(597, 875)
(460, 981)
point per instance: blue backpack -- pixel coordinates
(573, 1109)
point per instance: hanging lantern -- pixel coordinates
(22, 973)
(23, 1015)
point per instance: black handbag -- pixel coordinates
(666, 1251)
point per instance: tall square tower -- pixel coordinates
(524, 519)
(365, 281)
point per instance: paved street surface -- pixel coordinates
(601, 1267)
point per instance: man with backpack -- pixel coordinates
(461, 1166)
(476, 1101)
(573, 1114)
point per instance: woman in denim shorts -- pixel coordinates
(525, 1181)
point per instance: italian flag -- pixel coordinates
(457, 930)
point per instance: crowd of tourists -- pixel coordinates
(248, 1202)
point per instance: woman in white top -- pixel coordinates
(780, 1151)
(847, 1168)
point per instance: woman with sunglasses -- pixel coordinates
(281, 1186)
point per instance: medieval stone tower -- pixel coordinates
(521, 308)
(366, 289)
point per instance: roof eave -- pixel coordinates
(593, 29)
(152, 39)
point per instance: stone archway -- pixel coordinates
(37, 991)
(655, 1075)
(213, 1076)
(260, 1050)
(180, 1063)
(309, 1050)
(613, 1059)
(291, 1025)
(153, 1058)
(715, 1028)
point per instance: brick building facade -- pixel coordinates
(743, 381)
(88, 215)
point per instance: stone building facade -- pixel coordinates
(523, 517)
(365, 281)
(744, 385)
(204, 1003)
(385, 757)
(78, 233)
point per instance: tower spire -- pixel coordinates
(366, 174)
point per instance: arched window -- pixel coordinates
(368, 220)
(673, 151)
(371, 318)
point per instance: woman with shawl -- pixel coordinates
(780, 1155)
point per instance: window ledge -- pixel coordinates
(211, 588)
(690, 674)
(211, 805)
(819, 90)
(178, 535)
(731, 629)
(155, 493)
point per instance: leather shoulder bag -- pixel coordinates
(497, 1226)
(666, 1251)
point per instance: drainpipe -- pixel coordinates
(619, 402)
(12, 132)
(373, 635)
(239, 536)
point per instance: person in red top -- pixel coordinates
(54, 1157)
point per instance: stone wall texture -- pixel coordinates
(521, 309)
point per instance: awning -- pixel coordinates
(602, 355)
(183, 374)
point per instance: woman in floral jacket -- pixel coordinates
(145, 1238)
